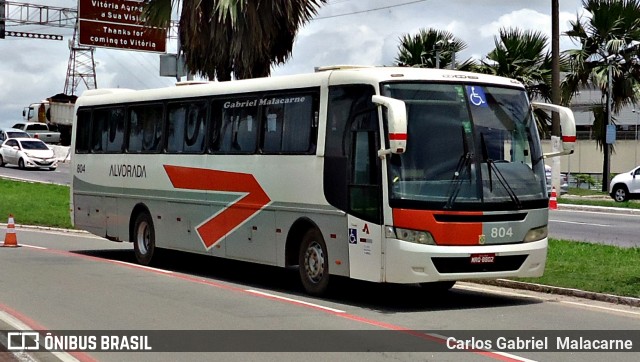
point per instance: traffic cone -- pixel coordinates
(553, 200)
(10, 239)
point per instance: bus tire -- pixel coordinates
(438, 287)
(143, 236)
(313, 263)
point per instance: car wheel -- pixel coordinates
(21, 164)
(620, 193)
(1, 161)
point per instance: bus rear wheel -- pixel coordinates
(314, 263)
(144, 238)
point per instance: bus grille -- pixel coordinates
(463, 265)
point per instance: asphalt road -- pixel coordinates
(60, 176)
(602, 227)
(68, 281)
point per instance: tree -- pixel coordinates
(221, 38)
(608, 41)
(524, 55)
(420, 50)
(606, 38)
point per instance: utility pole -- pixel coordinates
(556, 132)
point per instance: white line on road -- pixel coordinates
(600, 307)
(33, 247)
(295, 301)
(579, 223)
(19, 325)
(138, 266)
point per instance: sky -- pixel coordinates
(363, 32)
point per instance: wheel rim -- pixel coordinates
(314, 262)
(143, 238)
(620, 195)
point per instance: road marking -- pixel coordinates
(294, 301)
(579, 223)
(33, 246)
(21, 326)
(138, 266)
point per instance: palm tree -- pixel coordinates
(524, 55)
(429, 47)
(221, 38)
(608, 45)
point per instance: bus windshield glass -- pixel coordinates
(469, 147)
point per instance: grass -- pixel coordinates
(586, 266)
(35, 203)
(595, 198)
(592, 267)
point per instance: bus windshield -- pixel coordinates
(469, 147)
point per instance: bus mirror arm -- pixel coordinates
(396, 112)
(567, 124)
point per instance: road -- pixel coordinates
(591, 226)
(70, 281)
(60, 176)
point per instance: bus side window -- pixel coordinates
(288, 127)
(83, 131)
(238, 124)
(145, 128)
(186, 127)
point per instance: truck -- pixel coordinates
(39, 130)
(56, 111)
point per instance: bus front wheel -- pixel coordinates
(144, 238)
(314, 263)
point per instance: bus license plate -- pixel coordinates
(483, 258)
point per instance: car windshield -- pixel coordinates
(469, 146)
(34, 145)
(16, 134)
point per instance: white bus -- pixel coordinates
(396, 175)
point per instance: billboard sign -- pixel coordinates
(118, 24)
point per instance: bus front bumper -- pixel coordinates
(407, 262)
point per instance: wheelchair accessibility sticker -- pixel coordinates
(476, 96)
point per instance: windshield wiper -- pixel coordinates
(499, 176)
(464, 164)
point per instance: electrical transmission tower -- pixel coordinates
(81, 65)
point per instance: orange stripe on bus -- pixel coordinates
(444, 233)
(237, 213)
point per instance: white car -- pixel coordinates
(27, 153)
(626, 185)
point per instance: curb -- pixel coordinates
(601, 297)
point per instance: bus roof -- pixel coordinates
(332, 75)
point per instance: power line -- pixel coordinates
(369, 10)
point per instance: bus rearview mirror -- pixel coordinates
(396, 113)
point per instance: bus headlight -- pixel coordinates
(536, 234)
(412, 236)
